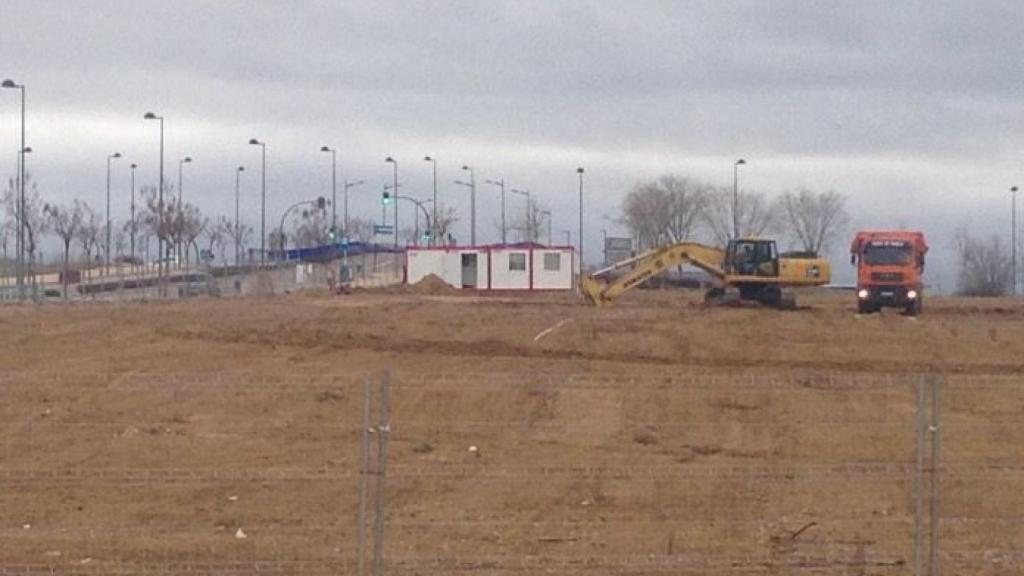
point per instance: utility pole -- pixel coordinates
(106, 269)
(132, 224)
(334, 190)
(395, 188)
(348, 185)
(504, 228)
(472, 203)
(20, 200)
(263, 200)
(1013, 240)
(433, 225)
(736, 198)
(580, 172)
(238, 229)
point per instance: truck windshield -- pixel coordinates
(887, 255)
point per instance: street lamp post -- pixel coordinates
(334, 188)
(580, 172)
(472, 203)
(1013, 240)
(346, 186)
(263, 198)
(395, 188)
(736, 197)
(529, 216)
(547, 213)
(181, 205)
(568, 239)
(131, 223)
(20, 235)
(25, 261)
(181, 195)
(433, 225)
(110, 157)
(238, 229)
(160, 206)
(501, 184)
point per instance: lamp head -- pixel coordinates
(1013, 189)
(27, 150)
(428, 159)
(741, 161)
(241, 169)
(150, 116)
(186, 159)
(464, 167)
(134, 166)
(8, 83)
(326, 149)
(254, 142)
(115, 155)
(389, 159)
(579, 170)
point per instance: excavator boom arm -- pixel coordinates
(601, 290)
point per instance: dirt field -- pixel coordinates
(654, 437)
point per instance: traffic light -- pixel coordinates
(387, 198)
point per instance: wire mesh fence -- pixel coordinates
(499, 473)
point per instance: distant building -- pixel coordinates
(496, 267)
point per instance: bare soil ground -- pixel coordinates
(657, 436)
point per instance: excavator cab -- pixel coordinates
(752, 257)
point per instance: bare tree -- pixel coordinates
(664, 210)
(216, 235)
(447, 216)
(360, 229)
(7, 231)
(755, 214)
(527, 224)
(311, 229)
(89, 231)
(984, 266)
(156, 219)
(65, 223)
(34, 220)
(813, 219)
(189, 223)
(646, 211)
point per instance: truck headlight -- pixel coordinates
(911, 294)
(863, 293)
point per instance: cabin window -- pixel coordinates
(552, 261)
(517, 261)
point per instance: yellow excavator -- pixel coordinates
(751, 266)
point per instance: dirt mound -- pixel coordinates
(431, 285)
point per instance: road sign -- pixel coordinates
(383, 229)
(617, 249)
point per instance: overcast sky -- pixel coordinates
(912, 109)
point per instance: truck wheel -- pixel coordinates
(914, 308)
(864, 307)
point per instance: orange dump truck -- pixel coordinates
(890, 266)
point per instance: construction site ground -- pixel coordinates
(530, 434)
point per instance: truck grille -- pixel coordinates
(887, 276)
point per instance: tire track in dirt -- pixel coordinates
(320, 339)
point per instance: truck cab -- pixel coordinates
(890, 269)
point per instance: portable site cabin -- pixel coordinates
(497, 267)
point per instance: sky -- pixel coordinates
(910, 109)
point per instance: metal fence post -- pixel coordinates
(919, 479)
(364, 463)
(382, 455)
(935, 430)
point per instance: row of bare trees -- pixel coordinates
(675, 209)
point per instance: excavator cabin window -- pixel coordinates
(752, 258)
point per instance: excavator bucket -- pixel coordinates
(593, 290)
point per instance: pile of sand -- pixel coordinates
(432, 284)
